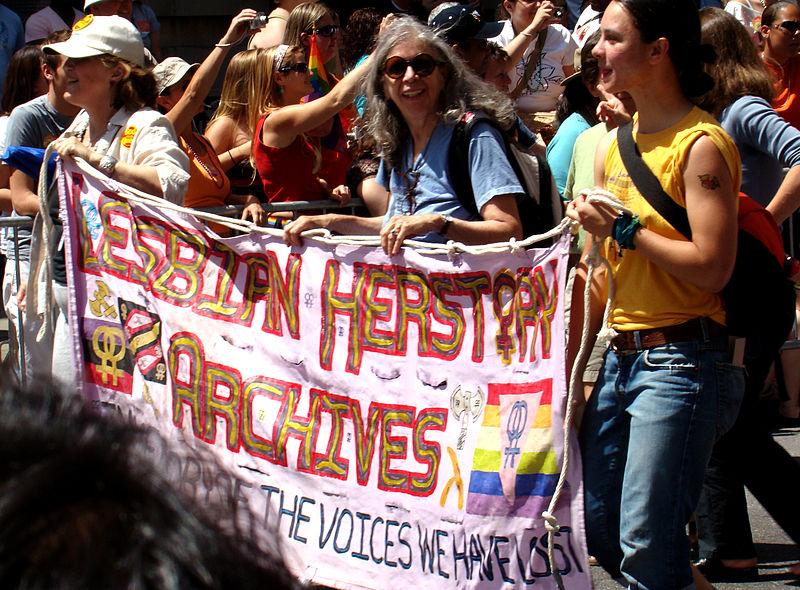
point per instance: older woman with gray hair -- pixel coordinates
(417, 91)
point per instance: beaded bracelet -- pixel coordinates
(624, 229)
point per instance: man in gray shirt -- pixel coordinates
(33, 124)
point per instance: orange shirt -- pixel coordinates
(786, 80)
(209, 186)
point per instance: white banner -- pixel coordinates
(400, 420)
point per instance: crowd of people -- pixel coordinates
(321, 106)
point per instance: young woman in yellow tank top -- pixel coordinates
(667, 388)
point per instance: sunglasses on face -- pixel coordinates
(300, 68)
(423, 65)
(326, 31)
(790, 26)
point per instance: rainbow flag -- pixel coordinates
(319, 75)
(322, 83)
(514, 467)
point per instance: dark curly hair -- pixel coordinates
(358, 36)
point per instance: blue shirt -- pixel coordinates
(490, 173)
(361, 100)
(559, 150)
(766, 143)
(12, 37)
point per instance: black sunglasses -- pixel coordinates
(423, 65)
(300, 68)
(790, 26)
(326, 31)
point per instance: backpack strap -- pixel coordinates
(458, 161)
(648, 185)
(536, 216)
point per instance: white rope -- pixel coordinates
(47, 227)
(322, 235)
(576, 375)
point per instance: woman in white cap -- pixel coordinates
(182, 89)
(117, 132)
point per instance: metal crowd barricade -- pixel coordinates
(790, 352)
(295, 207)
(16, 348)
(16, 223)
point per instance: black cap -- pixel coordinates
(460, 22)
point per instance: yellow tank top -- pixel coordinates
(646, 295)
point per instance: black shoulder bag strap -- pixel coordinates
(647, 183)
(458, 164)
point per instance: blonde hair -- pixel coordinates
(245, 90)
(270, 93)
(302, 19)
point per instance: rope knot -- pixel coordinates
(513, 245)
(606, 334)
(452, 250)
(550, 522)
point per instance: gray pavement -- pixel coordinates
(774, 548)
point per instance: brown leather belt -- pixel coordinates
(697, 329)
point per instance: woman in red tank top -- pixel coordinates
(286, 143)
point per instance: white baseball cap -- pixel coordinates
(102, 35)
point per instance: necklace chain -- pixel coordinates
(215, 175)
(411, 175)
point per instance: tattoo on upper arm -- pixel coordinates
(709, 181)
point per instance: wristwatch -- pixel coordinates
(446, 221)
(107, 165)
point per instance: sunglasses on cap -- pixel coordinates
(790, 26)
(326, 31)
(423, 65)
(300, 68)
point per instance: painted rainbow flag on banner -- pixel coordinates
(514, 467)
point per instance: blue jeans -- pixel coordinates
(646, 437)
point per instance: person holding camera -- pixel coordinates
(182, 90)
(542, 52)
(271, 27)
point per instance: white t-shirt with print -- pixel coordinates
(544, 85)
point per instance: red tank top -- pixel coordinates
(287, 173)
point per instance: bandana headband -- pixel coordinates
(280, 53)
